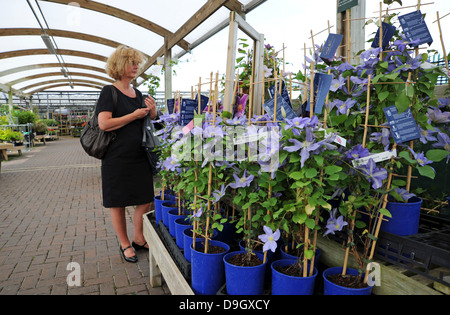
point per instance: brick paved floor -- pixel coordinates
(51, 215)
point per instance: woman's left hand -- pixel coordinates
(151, 105)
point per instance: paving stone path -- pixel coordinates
(51, 216)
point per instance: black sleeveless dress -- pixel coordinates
(127, 179)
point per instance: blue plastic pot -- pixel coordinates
(166, 206)
(271, 257)
(181, 224)
(283, 284)
(285, 255)
(405, 217)
(158, 203)
(333, 289)
(172, 216)
(207, 270)
(188, 239)
(244, 280)
(158, 210)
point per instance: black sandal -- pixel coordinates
(139, 247)
(133, 259)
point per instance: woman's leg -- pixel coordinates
(139, 223)
(120, 225)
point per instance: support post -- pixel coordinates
(167, 72)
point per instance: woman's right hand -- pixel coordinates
(141, 113)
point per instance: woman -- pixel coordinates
(126, 175)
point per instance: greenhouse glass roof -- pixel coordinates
(50, 45)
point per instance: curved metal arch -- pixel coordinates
(51, 74)
(60, 81)
(50, 65)
(60, 85)
(61, 33)
(28, 52)
(124, 15)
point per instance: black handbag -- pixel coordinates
(94, 140)
(151, 143)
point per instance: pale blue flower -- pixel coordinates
(269, 239)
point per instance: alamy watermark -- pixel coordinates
(74, 277)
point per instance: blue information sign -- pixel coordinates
(284, 93)
(187, 111)
(415, 28)
(403, 126)
(170, 105)
(388, 33)
(269, 106)
(204, 102)
(331, 45)
(322, 84)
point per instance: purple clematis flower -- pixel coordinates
(406, 195)
(333, 224)
(171, 164)
(435, 115)
(344, 107)
(420, 158)
(357, 152)
(336, 84)
(373, 174)
(382, 138)
(306, 146)
(426, 135)
(239, 107)
(443, 142)
(269, 239)
(243, 182)
(444, 102)
(218, 194)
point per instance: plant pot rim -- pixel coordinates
(411, 201)
(231, 254)
(181, 220)
(213, 243)
(339, 270)
(169, 202)
(291, 261)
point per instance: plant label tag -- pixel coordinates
(377, 158)
(339, 140)
(188, 127)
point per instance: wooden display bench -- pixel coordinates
(4, 147)
(394, 280)
(16, 150)
(161, 262)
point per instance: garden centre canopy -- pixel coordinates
(63, 44)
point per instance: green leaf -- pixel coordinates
(427, 171)
(310, 223)
(311, 173)
(384, 95)
(437, 155)
(402, 102)
(333, 169)
(385, 212)
(309, 254)
(296, 175)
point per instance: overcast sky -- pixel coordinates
(290, 22)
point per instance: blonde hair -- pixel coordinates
(122, 57)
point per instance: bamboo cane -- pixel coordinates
(443, 46)
(380, 218)
(367, 112)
